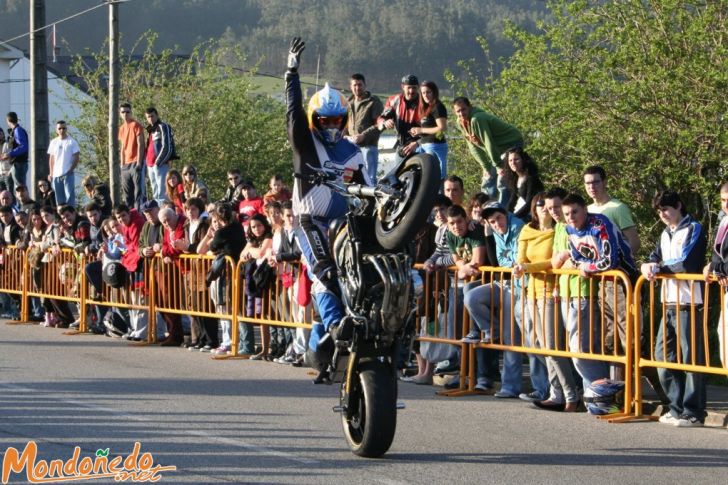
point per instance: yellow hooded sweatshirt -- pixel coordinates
(534, 252)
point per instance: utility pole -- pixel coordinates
(38, 97)
(114, 67)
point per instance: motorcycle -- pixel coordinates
(378, 290)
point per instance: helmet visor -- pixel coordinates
(330, 121)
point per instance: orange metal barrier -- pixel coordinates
(180, 288)
(137, 295)
(14, 277)
(604, 346)
(440, 302)
(59, 278)
(694, 354)
(276, 305)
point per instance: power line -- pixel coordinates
(78, 14)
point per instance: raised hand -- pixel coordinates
(294, 53)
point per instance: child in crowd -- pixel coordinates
(260, 240)
(278, 191)
(224, 238)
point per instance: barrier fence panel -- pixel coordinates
(57, 280)
(13, 280)
(179, 287)
(133, 299)
(441, 322)
(276, 308)
(675, 331)
(592, 324)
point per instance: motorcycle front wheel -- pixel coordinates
(402, 219)
(370, 429)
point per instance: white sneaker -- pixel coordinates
(687, 421)
(668, 418)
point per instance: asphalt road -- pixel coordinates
(258, 422)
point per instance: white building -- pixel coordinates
(15, 90)
(15, 95)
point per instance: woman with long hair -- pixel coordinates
(520, 176)
(260, 239)
(175, 190)
(433, 124)
(191, 183)
(535, 248)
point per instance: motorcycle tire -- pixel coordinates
(370, 430)
(420, 178)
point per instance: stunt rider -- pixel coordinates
(318, 145)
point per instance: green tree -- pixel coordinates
(635, 86)
(206, 97)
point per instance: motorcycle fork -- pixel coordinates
(349, 405)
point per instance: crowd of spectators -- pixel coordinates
(512, 221)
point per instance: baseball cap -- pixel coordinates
(410, 80)
(149, 205)
(492, 206)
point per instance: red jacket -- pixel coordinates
(131, 233)
(168, 250)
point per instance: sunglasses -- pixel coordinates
(540, 203)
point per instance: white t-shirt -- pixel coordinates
(62, 151)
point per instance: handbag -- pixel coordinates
(262, 276)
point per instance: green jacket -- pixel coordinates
(494, 136)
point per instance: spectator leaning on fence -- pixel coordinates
(495, 299)
(195, 227)
(615, 310)
(225, 238)
(173, 241)
(535, 248)
(595, 245)
(150, 244)
(681, 249)
(718, 267)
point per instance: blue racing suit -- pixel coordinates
(316, 205)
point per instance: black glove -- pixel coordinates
(294, 53)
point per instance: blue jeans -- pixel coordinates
(497, 297)
(579, 340)
(494, 187)
(536, 363)
(438, 150)
(157, 178)
(19, 172)
(371, 158)
(686, 390)
(548, 322)
(65, 188)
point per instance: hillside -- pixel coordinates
(382, 39)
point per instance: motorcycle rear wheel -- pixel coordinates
(370, 430)
(420, 180)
